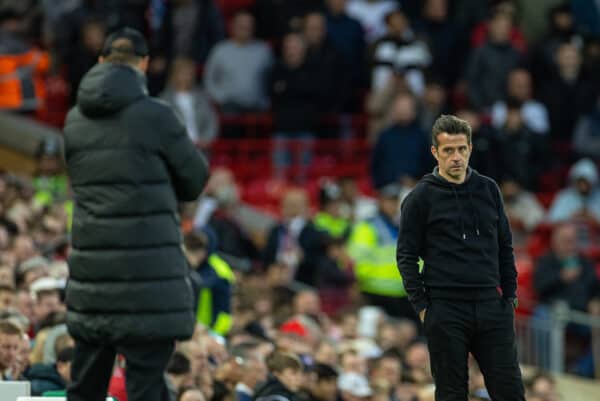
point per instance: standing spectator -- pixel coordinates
(329, 65)
(567, 93)
(371, 14)
(481, 32)
(296, 95)
(402, 149)
(285, 379)
(563, 274)
(533, 113)
(522, 153)
(490, 64)
(432, 104)
(399, 50)
(133, 224)
(236, 70)
(189, 99)
(347, 36)
(22, 68)
(581, 198)
(586, 140)
(51, 377)
(10, 341)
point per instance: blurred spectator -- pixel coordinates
(84, 54)
(432, 104)
(296, 94)
(51, 377)
(324, 386)
(191, 394)
(522, 153)
(399, 50)
(490, 64)
(22, 67)
(581, 198)
(362, 206)
(561, 30)
(522, 208)
(178, 373)
(285, 379)
(563, 274)
(254, 372)
(416, 361)
(235, 74)
(371, 14)
(333, 216)
(543, 385)
(275, 18)
(329, 66)
(50, 182)
(190, 100)
(347, 36)
(212, 281)
(442, 35)
(484, 158)
(402, 149)
(533, 113)
(586, 139)
(387, 369)
(380, 102)
(567, 93)
(354, 387)
(294, 238)
(10, 342)
(587, 17)
(372, 245)
(8, 297)
(334, 276)
(483, 31)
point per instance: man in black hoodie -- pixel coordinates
(454, 221)
(130, 162)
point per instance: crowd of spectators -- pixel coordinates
(523, 77)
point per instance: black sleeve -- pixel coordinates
(506, 257)
(186, 164)
(410, 242)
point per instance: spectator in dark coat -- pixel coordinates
(489, 65)
(402, 149)
(564, 274)
(285, 379)
(51, 377)
(130, 162)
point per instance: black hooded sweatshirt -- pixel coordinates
(463, 236)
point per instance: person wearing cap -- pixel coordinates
(372, 245)
(454, 221)
(581, 198)
(129, 161)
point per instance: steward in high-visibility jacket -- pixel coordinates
(330, 217)
(22, 70)
(212, 281)
(372, 245)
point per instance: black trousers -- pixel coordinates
(485, 328)
(144, 373)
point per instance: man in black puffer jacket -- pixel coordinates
(130, 162)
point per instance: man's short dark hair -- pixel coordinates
(325, 372)
(278, 361)
(179, 364)
(125, 46)
(65, 355)
(9, 328)
(451, 125)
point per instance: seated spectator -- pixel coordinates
(253, 370)
(51, 377)
(334, 276)
(371, 14)
(543, 385)
(354, 387)
(236, 70)
(489, 65)
(189, 99)
(178, 373)
(399, 50)
(296, 93)
(387, 369)
(10, 343)
(522, 154)
(8, 297)
(586, 139)
(285, 378)
(324, 385)
(563, 274)
(581, 199)
(482, 31)
(533, 113)
(191, 394)
(522, 208)
(402, 149)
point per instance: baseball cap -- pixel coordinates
(355, 384)
(138, 42)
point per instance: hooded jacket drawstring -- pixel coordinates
(460, 215)
(462, 223)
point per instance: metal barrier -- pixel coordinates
(541, 338)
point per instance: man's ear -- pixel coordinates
(101, 59)
(143, 64)
(434, 152)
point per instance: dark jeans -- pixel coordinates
(485, 328)
(144, 373)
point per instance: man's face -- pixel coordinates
(7, 300)
(519, 84)
(47, 304)
(25, 304)
(291, 378)
(452, 154)
(315, 28)
(336, 6)
(256, 372)
(583, 186)
(9, 349)
(389, 369)
(326, 389)
(389, 206)
(243, 27)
